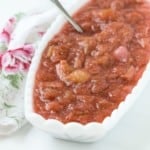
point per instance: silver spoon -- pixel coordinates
(68, 17)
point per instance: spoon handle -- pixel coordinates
(68, 17)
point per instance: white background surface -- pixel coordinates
(131, 133)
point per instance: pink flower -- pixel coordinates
(4, 36)
(13, 61)
(41, 33)
(9, 27)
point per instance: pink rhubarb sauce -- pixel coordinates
(84, 77)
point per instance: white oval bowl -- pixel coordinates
(75, 131)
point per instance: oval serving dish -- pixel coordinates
(75, 131)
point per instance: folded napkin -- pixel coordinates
(18, 41)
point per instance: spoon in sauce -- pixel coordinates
(68, 17)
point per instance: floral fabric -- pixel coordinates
(18, 42)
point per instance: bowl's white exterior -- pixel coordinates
(74, 131)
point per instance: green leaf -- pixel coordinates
(3, 47)
(15, 119)
(15, 80)
(19, 16)
(19, 120)
(8, 105)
